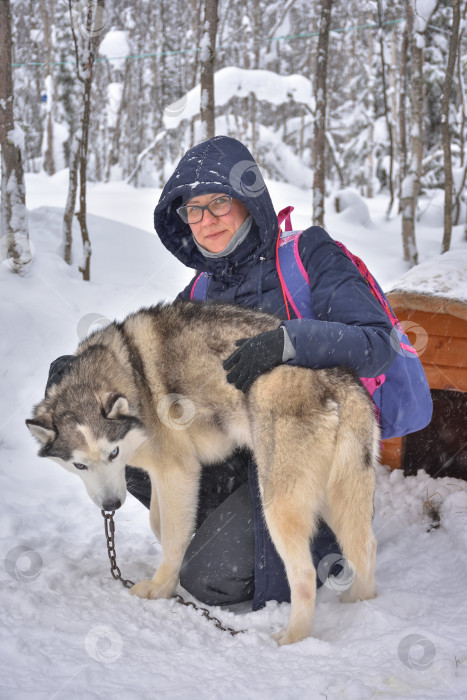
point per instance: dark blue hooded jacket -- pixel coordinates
(351, 328)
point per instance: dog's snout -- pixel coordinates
(112, 505)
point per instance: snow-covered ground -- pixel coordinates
(68, 630)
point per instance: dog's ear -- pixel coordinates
(42, 428)
(114, 405)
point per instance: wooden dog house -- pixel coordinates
(430, 301)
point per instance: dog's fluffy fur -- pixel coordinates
(151, 391)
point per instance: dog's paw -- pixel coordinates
(287, 636)
(151, 590)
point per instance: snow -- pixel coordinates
(354, 206)
(16, 137)
(114, 98)
(231, 81)
(407, 188)
(205, 45)
(445, 276)
(115, 45)
(423, 11)
(18, 220)
(69, 631)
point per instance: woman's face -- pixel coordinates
(214, 233)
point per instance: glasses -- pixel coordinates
(193, 213)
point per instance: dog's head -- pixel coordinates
(92, 432)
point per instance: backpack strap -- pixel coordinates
(284, 215)
(199, 290)
(293, 277)
(364, 271)
(376, 291)
(295, 284)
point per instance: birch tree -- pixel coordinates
(319, 132)
(369, 171)
(46, 9)
(417, 24)
(402, 150)
(91, 31)
(445, 125)
(14, 239)
(207, 57)
(387, 112)
(462, 120)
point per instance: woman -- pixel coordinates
(216, 216)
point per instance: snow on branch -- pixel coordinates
(238, 82)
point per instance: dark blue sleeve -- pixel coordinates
(353, 330)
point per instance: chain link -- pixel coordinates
(208, 616)
(116, 573)
(110, 537)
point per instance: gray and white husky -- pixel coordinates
(151, 392)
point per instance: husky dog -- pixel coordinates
(151, 391)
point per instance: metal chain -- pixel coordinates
(116, 573)
(208, 616)
(110, 537)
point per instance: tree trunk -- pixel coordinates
(116, 130)
(254, 130)
(208, 48)
(387, 113)
(411, 183)
(71, 199)
(85, 267)
(461, 88)
(14, 237)
(49, 162)
(393, 96)
(319, 131)
(445, 131)
(367, 189)
(402, 113)
(86, 61)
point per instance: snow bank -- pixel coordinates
(351, 206)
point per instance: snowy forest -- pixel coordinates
(366, 94)
(356, 111)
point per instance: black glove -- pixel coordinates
(255, 356)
